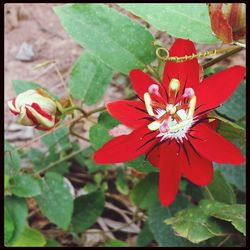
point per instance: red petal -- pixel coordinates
(154, 157)
(141, 82)
(13, 112)
(41, 112)
(130, 113)
(217, 88)
(197, 169)
(170, 173)
(221, 27)
(126, 147)
(187, 72)
(214, 147)
(31, 116)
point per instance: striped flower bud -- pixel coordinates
(34, 109)
(228, 21)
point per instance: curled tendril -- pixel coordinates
(166, 57)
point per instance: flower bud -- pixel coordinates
(34, 109)
(228, 21)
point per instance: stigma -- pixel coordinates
(174, 118)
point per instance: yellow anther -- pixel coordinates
(192, 104)
(147, 100)
(174, 85)
(154, 125)
(173, 110)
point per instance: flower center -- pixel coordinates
(174, 118)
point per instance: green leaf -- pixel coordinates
(6, 181)
(61, 168)
(12, 160)
(194, 192)
(89, 79)
(145, 236)
(212, 70)
(141, 165)
(230, 130)
(220, 190)
(115, 243)
(190, 21)
(89, 188)
(89, 162)
(87, 209)
(235, 106)
(35, 156)
(85, 159)
(22, 86)
(121, 183)
(30, 238)
(98, 134)
(145, 193)
(8, 226)
(56, 201)
(57, 140)
(196, 224)
(18, 210)
(53, 243)
(98, 178)
(164, 234)
(108, 35)
(236, 214)
(80, 157)
(235, 175)
(25, 186)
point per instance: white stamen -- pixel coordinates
(154, 125)
(160, 113)
(191, 107)
(147, 100)
(182, 114)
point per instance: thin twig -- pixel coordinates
(222, 57)
(55, 163)
(224, 240)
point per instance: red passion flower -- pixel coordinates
(170, 125)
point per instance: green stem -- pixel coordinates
(224, 240)
(214, 115)
(103, 108)
(222, 57)
(208, 192)
(70, 109)
(152, 72)
(55, 163)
